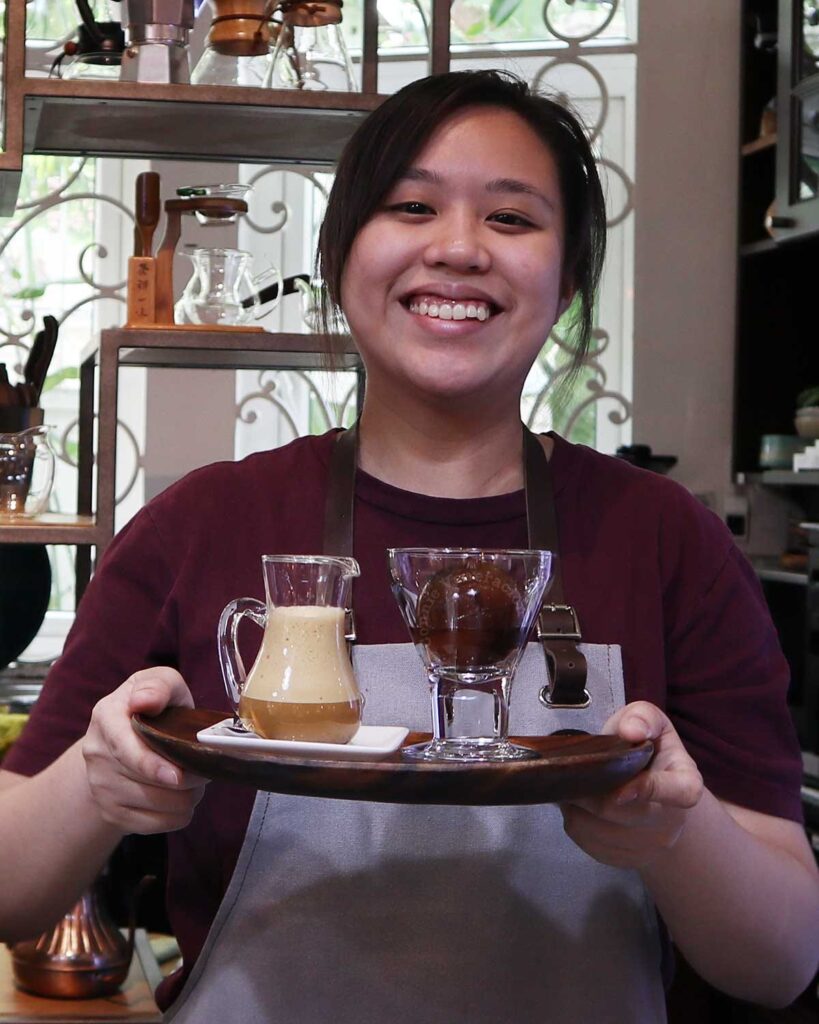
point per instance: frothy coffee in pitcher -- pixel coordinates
(298, 686)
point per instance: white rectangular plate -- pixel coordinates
(370, 743)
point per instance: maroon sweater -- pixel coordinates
(646, 566)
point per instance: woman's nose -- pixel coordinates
(456, 242)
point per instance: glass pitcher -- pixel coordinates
(223, 289)
(310, 52)
(301, 686)
(26, 472)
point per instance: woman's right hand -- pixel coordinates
(135, 789)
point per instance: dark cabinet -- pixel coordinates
(777, 354)
(797, 105)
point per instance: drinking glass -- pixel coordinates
(469, 614)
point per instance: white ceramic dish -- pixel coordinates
(370, 743)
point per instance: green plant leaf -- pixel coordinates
(54, 379)
(810, 396)
(502, 10)
(35, 292)
(477, 29)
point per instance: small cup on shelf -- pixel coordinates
(776, 451)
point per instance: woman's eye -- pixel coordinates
(412, 207)
(516, 220)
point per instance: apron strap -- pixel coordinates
(338, 508)
(339, 504)
(558, 626)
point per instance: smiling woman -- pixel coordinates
(465, 217)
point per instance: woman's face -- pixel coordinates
(453, 285)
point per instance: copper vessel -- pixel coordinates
(85, 955)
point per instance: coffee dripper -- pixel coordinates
(238, 46)
(301, 686)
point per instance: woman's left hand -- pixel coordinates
(631, 826)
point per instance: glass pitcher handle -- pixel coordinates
(42, 480)
(263, 282)
(230, 660)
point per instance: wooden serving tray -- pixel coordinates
(568, 767)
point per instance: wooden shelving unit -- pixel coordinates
(190, 122)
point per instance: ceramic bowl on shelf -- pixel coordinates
(807, 422)
(776, 451)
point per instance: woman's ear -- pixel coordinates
(567, 293)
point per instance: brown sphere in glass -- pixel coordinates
(470, 616)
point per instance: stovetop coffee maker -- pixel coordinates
(158, 32)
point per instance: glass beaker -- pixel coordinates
(26, 472)
(223, 290)
(301, 685)
(469, 614)
(310, 51)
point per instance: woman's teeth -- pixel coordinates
(451, 310)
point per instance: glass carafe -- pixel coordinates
(223, 289)
(310, 51)
(301, 686)
(26, 472)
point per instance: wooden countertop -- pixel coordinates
(133, 1003)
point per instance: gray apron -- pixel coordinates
(353, 912)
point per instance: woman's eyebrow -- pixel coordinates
(501, 185)
(421, 174)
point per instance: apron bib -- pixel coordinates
(355, 912)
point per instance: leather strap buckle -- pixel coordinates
(558, 632)
(553, 705)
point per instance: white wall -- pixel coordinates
(685, 235)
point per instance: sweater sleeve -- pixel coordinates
(727, 679)
(125, 622)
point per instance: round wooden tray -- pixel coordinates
(568, 767)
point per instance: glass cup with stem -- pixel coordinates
(469, 613)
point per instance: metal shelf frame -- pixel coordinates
(93, 525)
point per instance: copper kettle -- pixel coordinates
(84, 956)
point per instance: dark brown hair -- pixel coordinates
(384, 146)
